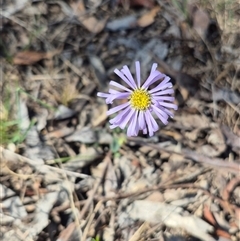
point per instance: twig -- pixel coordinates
(224, 203)
(91, 196)
(66, 234)
(213, 162)
(89, 222)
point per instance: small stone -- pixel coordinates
(145, 149)
(11, 147)
(152, 153)
(155, 197)
(233, 230)
(204, 184)
(30, 208)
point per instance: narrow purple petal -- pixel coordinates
(163, 120)
(119, 96)
(164, 92)
(145, 131)
(119, 86)
(141, 120)
(168, 105)
(131, 131)
(160, 114)
(138, 73)
(164, 98)
(113, 126)
(149, 124)
(154, 123)
(117, 108)
(118, 119)
(168, 112)
(112, 91)
(104, 95)
(128, 74)
(121, 75)
(136, 128)
(154, 67)
(155, 76)
(126, 119)
(162, 86)
(109, 100)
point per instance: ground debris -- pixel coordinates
(65, 175)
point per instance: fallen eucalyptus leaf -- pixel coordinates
(171, 216)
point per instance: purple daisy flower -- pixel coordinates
(142, 101)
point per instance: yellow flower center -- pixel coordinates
(140, 99)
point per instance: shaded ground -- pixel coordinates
(65, 175)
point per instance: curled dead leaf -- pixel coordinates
(201, 22)
(101, 116)
(148, 18)
(230, 188)
(207, 213)
(92, 24)
(28, 57)
(216, 139)
(31, 57)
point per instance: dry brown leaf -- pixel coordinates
(216, 144)
(60, 133)
(172, 133)
(28, 57)
(216, 138)
(155, 196)
(148, 18)
(139, 3)
(67, 233)
(232, 139)
(201, 22)
(224, 234)
(100, 116)
(31, 57)
(193, 121)
(92, 24)
(207, 150)
(192, 135)
(230, 188)
(209, 216)
(171, 216)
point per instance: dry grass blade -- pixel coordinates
(139, 234)
(91, 197)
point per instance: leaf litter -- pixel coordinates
(67, 176)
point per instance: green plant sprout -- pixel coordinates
(97, 238)
(40, 102)
(118, 141)
(10, 131)
(181, 6)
